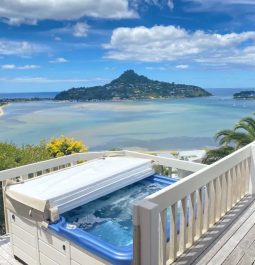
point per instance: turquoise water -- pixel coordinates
(158, 124)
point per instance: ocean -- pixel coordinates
(174, 124)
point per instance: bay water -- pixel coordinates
(151, 124)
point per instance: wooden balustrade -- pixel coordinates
(184, 211)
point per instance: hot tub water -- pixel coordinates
(110, 217)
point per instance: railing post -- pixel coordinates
(149, 233)
(136, 235)
(6, 219)
(252, 171)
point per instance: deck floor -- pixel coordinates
(6, 257)
(230, 242)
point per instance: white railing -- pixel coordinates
(168, 222)
(37, 169)
(47, 166)
(169, 162)
(44, 167)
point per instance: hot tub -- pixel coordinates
(81, 215)
(104, 226)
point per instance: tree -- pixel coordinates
(65, 146)
(230, 140)
(214, 155)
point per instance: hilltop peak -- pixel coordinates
(130, 76)
(130, 72)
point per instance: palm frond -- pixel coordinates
(224, 137)
(247, 124)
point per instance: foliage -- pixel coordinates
(162, 170)
(230, 140)
(12, 156)
(65, 146)
(214, 155)
(132, 86)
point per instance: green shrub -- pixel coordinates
(12, 156)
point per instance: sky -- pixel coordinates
(53, 45)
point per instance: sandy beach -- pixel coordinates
(2, 109)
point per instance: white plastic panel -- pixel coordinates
(81, 184)
(21, 233)
(52, 253)
(27, 225)
(83, 257)
(46, 261)
(51, 239)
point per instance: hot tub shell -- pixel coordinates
(58, 244)
(34, 241)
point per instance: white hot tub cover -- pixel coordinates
(75, 186)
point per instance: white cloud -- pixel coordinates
(56, 38)
(170, 43)
(80, 29)
(23, 67)
(8, 66)
(21, 48)
(109, 68)
(30, 11)
(14, 21)
(43, 80)
(182, 66)
(156, 68)
(159, 3)
(220, 2)
(59, 60)
(170, 4)
(243, 8)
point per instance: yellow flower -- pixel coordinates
(65, 146)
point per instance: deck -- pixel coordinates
(6, 257)
(230, 242)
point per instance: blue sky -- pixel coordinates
(53, 45)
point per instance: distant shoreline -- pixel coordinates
(29, 100)
(18, 100)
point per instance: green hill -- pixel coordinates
(132, 86)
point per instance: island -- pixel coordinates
(131, 86)
(245, 95)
